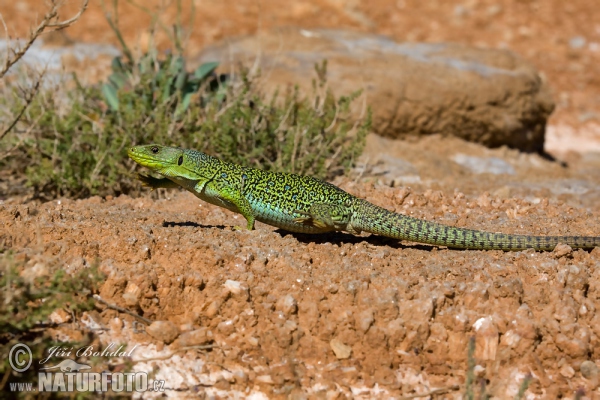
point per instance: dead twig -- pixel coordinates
(432, 392)
(121, 309)
(29, 96)
(35, 33)
(18, 52)
(200, 347)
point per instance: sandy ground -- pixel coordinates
(337, 316)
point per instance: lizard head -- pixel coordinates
(171, 162)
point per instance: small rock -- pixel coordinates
(562, 250)
(589, 370)
(511, 338)
(479, 371)
(186, 327)
(340, 350)
(240, 376)
(567, 371)
(132, 294)
(265, 379)
(91, 320)
(577, 42)
(116, 325)
(234, 287)
(59, 316)
(287, 304)
(213, 309)
(226, 327)
(194, 279)
(364, 320)
(195, 338)
(573, 346)
(165, 331)
(487, 338)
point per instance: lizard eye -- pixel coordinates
(154, 149)
(180, 161)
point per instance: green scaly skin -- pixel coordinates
(308, 205)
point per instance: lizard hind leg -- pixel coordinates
(331, 217)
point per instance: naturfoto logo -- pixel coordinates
(70, 376)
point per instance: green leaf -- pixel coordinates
(111, 96)
(177, 66)
(185, 103)
(181, 80)
(205, 69)
(118, 80)
(117, 65)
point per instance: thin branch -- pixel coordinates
(114, 25)
(432, 392)
(34, 34)
(64, 24)
(121, 309)
(168, 356)
(7, 36)
(26, 133)
(29, 96)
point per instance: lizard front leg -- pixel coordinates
(232, 196)
(155, 183)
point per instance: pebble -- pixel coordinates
(234, 287)
(341, 350)
(589, 369)
(165, 331)
(364, 320)
(196, 337)
(487, 338)
(287, 304)
(132, 294)
(59, 316)
(567, 371)
(577, 42)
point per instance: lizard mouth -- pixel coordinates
(146, 160)
(168, 167)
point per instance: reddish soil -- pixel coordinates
(336, 316)
(399, 315)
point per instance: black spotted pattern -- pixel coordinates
(275, 199)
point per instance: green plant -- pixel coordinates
(156, 82)
(76, 135)
(29, 293)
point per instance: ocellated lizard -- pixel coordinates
(308, 205)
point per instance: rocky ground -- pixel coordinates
(337, 316)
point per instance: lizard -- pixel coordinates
(304, 204)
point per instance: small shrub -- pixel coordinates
(74, 138)
(26, 304)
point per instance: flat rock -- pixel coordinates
(488, 96)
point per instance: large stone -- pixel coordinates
(488, 96)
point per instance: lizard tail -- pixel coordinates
(378, 220)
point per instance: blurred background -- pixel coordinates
(561, 39)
